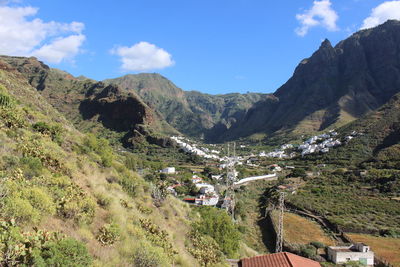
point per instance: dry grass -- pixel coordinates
(300, 230)
(385, 247)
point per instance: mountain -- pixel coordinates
(190, 112)
(93, 105)
(331, 88)
(377, 140)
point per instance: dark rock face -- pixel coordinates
(88, 103)
(356, 76)
(34, 70)
(117, 111)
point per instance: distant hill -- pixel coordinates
(192, 113)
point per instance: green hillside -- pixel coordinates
(69, 199)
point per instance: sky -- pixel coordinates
(212, 46)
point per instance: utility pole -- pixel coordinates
(279, 236)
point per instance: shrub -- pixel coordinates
(218, 225)
(298, 172)
(204, 249)
(103, 200)
(31, 166)
(67, 252)
(100, 146)
(12, 117)
(158, 236)
(21, 210)
(147, 256)
(109, 234)
(40, 200)
(54, 131)
(129, 184)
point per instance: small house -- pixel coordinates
(168, 170)
(355, 252)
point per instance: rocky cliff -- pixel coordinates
(334, 86)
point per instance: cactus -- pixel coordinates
(158, 237)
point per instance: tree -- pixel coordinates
(217, 224)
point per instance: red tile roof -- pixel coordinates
(283, 259)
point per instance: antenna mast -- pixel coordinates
(279, 236)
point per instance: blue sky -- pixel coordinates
(213, 46)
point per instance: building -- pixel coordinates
(282, 259)
(207, 200)
(356, 252)
(205, 188)
(168, 170)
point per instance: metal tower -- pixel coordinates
(229, 201)
(279, 236)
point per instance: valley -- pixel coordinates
(135, 171)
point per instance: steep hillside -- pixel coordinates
(68, 199)
(192, 113)
(378, 140)
(334, 86)
(94, 106)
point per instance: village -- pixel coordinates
(212, 189)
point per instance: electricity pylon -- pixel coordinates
(279, 236)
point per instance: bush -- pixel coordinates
(129, 184)
(109, 234)
(40, 200)
(39, 248)
(101, 147)
(67, 252)
(54, 131)
(20, 210)
(147, 256)
(204, 249)
(218, 225)
(31, 166)
(298, 172)
(103, 200)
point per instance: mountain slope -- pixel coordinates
(192, 113)
(68, 193)
(334, 86)
(378, 139)
(92, 105)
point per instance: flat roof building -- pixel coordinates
(355, 252)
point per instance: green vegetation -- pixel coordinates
(218, 225)
(109, 234)
(205, 249)
(39, 248)
(349, 205)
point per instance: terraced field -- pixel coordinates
(300, 230)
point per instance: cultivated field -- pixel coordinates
(301, 230)
(385, 247)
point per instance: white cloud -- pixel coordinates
(60, 49)
(383, 12)
(320, 14)
(22, 34)
(143, 56)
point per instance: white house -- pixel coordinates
(207, 200)
(356, 252)
(168, 170)
(205, 188)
